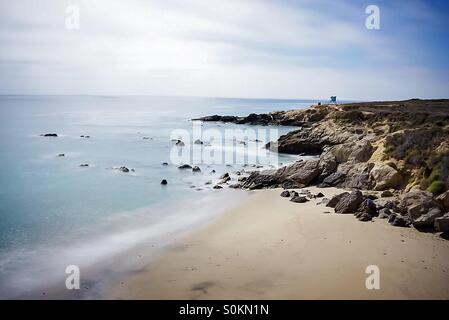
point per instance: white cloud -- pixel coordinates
(205, 48)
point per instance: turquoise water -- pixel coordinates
(54, 212)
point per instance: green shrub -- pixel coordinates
(437, 187)
(435, 175)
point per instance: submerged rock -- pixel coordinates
(198, 141)
(61, 155)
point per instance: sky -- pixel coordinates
(225, 48)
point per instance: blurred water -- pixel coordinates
(54, 212)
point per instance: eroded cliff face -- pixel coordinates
(397, 147)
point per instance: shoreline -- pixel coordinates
(271, 248)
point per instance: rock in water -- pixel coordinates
(218, 187)
(185, 166)
(49, 135)
(164, 163)
(285, 194)
(61, 155)
(198, 141)
(164, 182)
(350, 202)
(196, 169)
(224, 176)
(84, 165)
(124, 169)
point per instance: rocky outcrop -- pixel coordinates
(297, 175)
(398, 147)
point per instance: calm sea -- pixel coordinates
(54, 213)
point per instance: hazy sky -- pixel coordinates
(226, 48)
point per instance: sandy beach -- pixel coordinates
(271, 248)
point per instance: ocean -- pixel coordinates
(55, 213)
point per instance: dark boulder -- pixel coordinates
(427, 220)
(198, 141)
(185, 166)
(299, 199)
(350, 202)
(196, 169)
(398, 220)
(49, 135)
(442, 223)
(164, 182)
(285, 193)
(224, 176)
(335, 199)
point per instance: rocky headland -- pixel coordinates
(392, 156)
